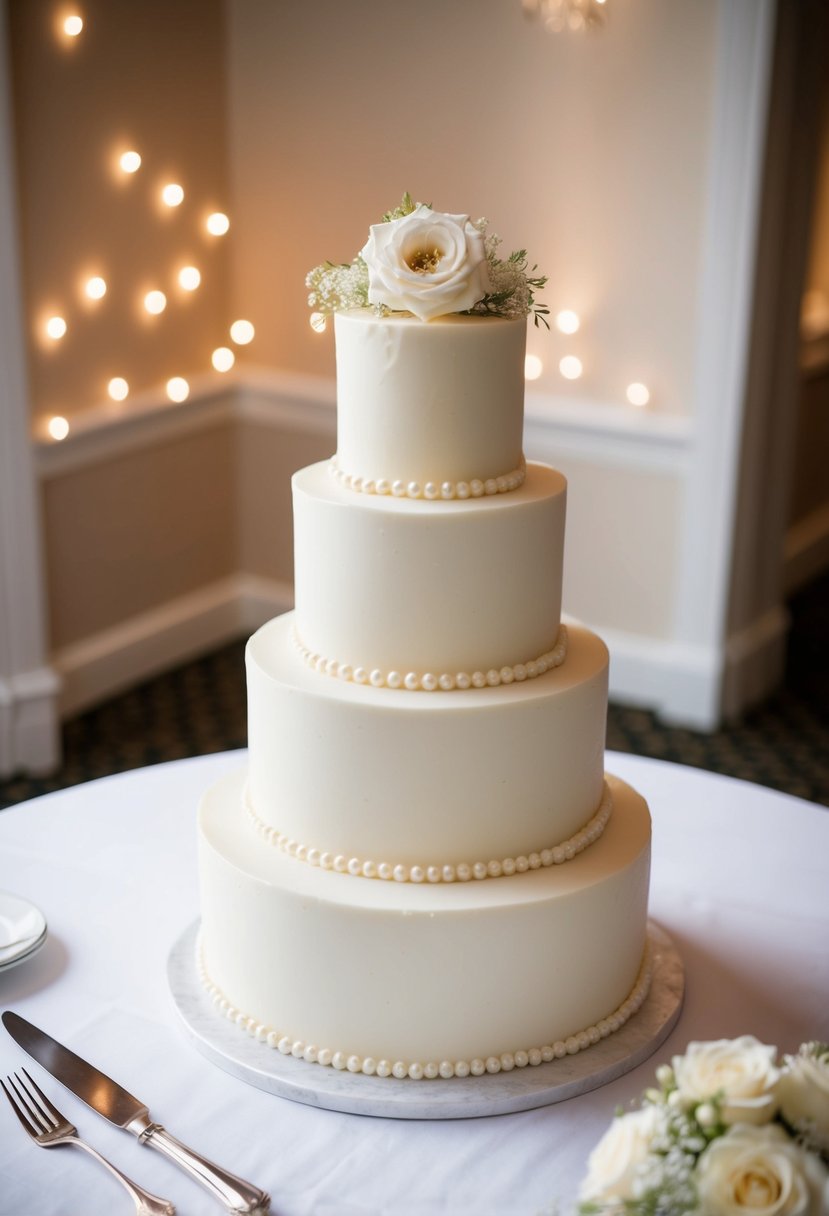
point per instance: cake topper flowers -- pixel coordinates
(430, 263)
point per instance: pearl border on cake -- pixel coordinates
(462, 871)
(445, 491)
(428, 681)
(445, 1069)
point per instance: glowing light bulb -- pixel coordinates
(155, 302)
(567, 321)
(223, 358)
(58, 427)
(638, 394)
(118, 388)
(55, 327)
(533, 367)
(217, 224)
(318, 322)
(189, 278)
(242, 332)
(570, 367)
(130, 162)
(95, 288)
(172, 194)
(72, 26)
(178, 389)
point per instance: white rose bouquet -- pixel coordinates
(727, 1131)
(429, 263)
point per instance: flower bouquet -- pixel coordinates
(728, 1130)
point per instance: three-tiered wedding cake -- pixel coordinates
(425, 871)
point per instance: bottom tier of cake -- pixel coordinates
(420, 979)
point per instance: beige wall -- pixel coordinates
(267, 458)
(131, 533)
(590, 152)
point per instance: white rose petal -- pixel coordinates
(803, 1094)
(426, 263)
(761, 1170)
(741, 1071)
(618, 1160)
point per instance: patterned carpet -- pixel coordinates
(200, 708)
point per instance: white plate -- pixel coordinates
(22, 929)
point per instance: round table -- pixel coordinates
(740, 881)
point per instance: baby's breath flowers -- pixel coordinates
(430, 263)
(709, 1138)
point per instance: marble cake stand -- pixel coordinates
(502, 1093)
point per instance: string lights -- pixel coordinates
(130, 161)
(559, 16)
(189, 277)
(242, 332)
(223, 358)
(126, 162)
(554, 15)
(178, 389)
(172, 195)
(155, 302)
(533, 367)
(55, 328)
(95, 288)
(570, 367)
(217, 224)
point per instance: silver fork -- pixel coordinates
(50, 1129)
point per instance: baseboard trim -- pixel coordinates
(681, 683)
(696, 686)
(29, 726)
(115, 659)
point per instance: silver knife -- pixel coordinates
(109, 1099)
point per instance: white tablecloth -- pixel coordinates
(740, 881)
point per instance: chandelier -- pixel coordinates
(573, 15)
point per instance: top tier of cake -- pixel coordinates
(432, 403)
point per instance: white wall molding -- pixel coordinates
(679, 682)
(136, 649)
(683, 683)
(29, 738)
(739, 123)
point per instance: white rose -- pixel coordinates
(761, 1170)
(426, 263)
(742, 1071)
(803, 1093)
(618, 1160)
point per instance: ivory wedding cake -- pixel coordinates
(425, 871)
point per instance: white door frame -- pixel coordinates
(29, 735)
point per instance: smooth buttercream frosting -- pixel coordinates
(418, 1070)
(396, 971)
(375, 772)
(442, 401)
(395, 585)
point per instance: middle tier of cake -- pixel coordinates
(400, 585)
(419, 779)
